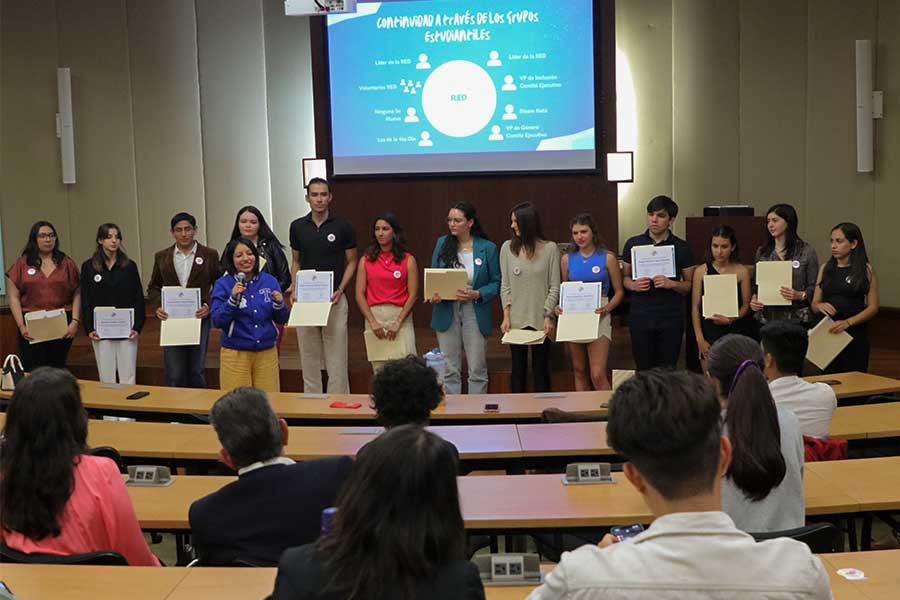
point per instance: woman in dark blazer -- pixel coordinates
(465, 322)
(398, 531)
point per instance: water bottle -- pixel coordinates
(435, 360)
(328, 515)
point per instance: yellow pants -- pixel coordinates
(245, 367)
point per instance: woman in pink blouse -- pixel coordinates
(54, 498)
(387, 283)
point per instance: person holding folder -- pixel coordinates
(722, 258)
(246, 304)
(529, 291)
(590, 262)
(465, 322)
(110, 279)
(44, 278)
(656, 320)
(783, 243)
(323, 241)
(187, 264)
(387, 283)
(847, 291)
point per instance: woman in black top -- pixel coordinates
(251, 224)
(111, 279)
(847, 291)
(398, 532)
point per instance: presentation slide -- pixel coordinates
(460, 86)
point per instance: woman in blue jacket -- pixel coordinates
(246, 304)
(465, 322)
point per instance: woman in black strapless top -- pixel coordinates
(847, 291)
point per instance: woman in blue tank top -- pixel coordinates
(590, 262)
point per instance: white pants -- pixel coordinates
(326, 345)
(116, 355)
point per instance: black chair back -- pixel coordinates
(822, 538)
(100, 557)
(112, 454)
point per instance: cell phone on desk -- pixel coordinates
(626, 532)
(491, 408)
(340, 404)
(137, 395)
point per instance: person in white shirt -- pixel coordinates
(784, 345)
(667, 425)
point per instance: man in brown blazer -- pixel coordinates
(188, 264)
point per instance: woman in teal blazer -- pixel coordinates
(464, 322)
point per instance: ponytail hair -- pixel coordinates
(751, 419)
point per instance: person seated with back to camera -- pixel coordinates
(784, 345)
(667, 425)
(404, 392)
(275, 503)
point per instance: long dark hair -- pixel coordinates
(859, 260)
(44, 436)
(228, 255)
(528, 220)
(398, 249)
(727, 233)
(791, 238)
(447, 255)
(398, 518)
(265, 232)
(98, 260)
(588, 220)
(32, 254)
(757, 464)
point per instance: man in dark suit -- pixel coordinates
(186, 264)
(275, 503)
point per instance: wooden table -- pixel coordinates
(882, 569)
(856, 384)
(495, 502)
(564, 439)
(866, 421)
(59, 582)
(207, 583)
(873, 482)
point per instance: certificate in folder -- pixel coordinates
(771, 276)
(113, 323)
(824, 346)
(380, 349)
(445, 282)
(720, 296)
(651, 260)
(46, 325)
(312, 299)
(179, 332)
(578, 321)
(523, 337)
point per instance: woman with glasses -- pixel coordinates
(44, 278)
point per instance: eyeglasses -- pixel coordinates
(46, 236)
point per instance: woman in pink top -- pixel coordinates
(54, 498)
(387, 283)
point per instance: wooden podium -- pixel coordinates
(751, 233)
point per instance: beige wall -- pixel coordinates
(174, 104)
(759, 96)
(205, 105)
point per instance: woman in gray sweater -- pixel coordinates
(763, 487)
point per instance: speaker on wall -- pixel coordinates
(65, 128)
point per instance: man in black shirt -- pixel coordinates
(323, 241)
(656, 318)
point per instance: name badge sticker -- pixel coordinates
(331, 237)
(98, 277)
(199, 260)
(397, 275)
(32, 271)
(517, 271)
(796, 264)
(479, 262)
(595, 269)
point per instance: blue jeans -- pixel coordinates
(463, 333)
(186, 365)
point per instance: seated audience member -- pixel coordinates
(784, 346)
(55, 498)
(275, 503)
(398, 531)
(667, 425)
(763, 488)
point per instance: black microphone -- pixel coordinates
(240, 279)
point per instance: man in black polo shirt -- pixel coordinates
(324, 242)
(656, 319)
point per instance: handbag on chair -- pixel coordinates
(13, 372)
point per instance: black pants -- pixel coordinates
(540, 364)
(656, 342)
(855, 357)
(45, 354)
